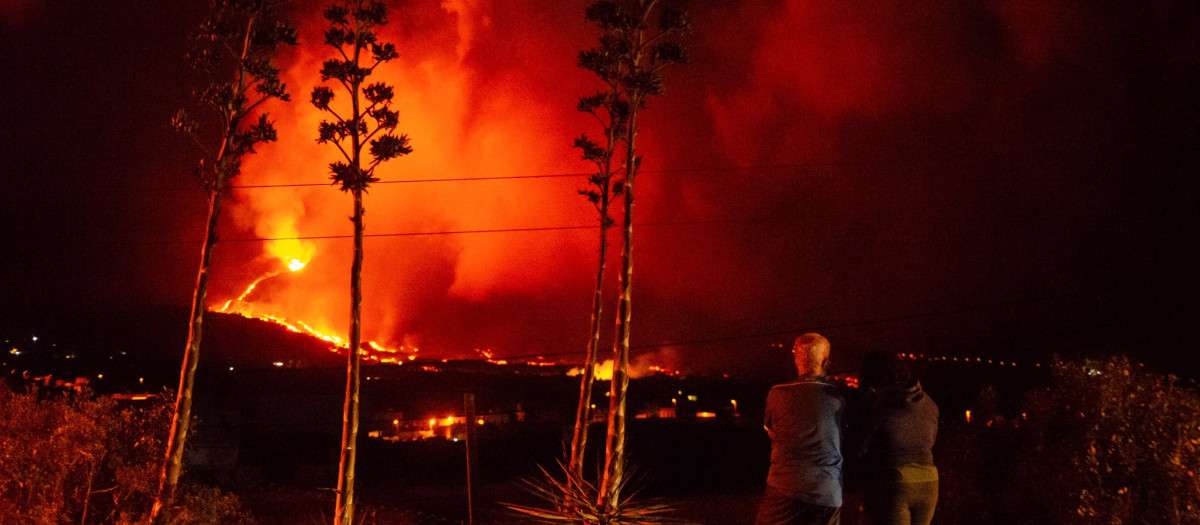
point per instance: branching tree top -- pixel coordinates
(630, 57)
(352, 34)
(233, 48)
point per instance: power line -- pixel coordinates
(583, 174)
(412, 234)
(715, 169)
(699, 222)
(869, 322)
(410, 181)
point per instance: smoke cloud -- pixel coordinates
(809, 166)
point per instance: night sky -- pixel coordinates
(1007, 178)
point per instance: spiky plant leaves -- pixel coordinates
(570, 498)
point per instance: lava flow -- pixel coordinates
(294, 256)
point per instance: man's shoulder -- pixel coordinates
(809, 384)
(805, 382)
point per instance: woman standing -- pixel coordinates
(901, 426)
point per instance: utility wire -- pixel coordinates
(488, 230)
(716, 169)
(867, 322)
(583, 174)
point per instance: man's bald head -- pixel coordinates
(812, 354)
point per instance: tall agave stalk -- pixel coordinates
(629, 60)
(234, 47)
(370, 121)
(609, 111)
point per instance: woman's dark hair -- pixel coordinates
(884, 369)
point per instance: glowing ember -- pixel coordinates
(636, 370)
(249, 289)
(296, 265)
(338, 343)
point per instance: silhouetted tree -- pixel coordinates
(352, 33)
(234, 47)
(629, 60)
(610, 111)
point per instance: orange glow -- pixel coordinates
(337, 342)
(640, 367)
(242, 297)
(466, 120)
(705, 415)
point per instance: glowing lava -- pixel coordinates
(286, 251)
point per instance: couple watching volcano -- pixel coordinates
(887, 426)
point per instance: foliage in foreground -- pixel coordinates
(81, 460)
(1106, 443)
(572, 499)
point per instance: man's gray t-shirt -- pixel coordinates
(804, 419)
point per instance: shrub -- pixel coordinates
(1107, 442)
(1113, 443)
(80, 459)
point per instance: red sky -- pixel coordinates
(984, 176)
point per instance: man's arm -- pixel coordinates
(767, 416)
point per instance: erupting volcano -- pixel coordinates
(774, 142)
(470, 118)
(901, 170)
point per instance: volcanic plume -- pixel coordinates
(808, 168)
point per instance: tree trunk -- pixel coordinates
(346, 465)
(614, 461)
(583, 413)
(345, 492)
(173, 464)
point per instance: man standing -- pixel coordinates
(804, 420)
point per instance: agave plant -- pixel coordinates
(573, 499)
